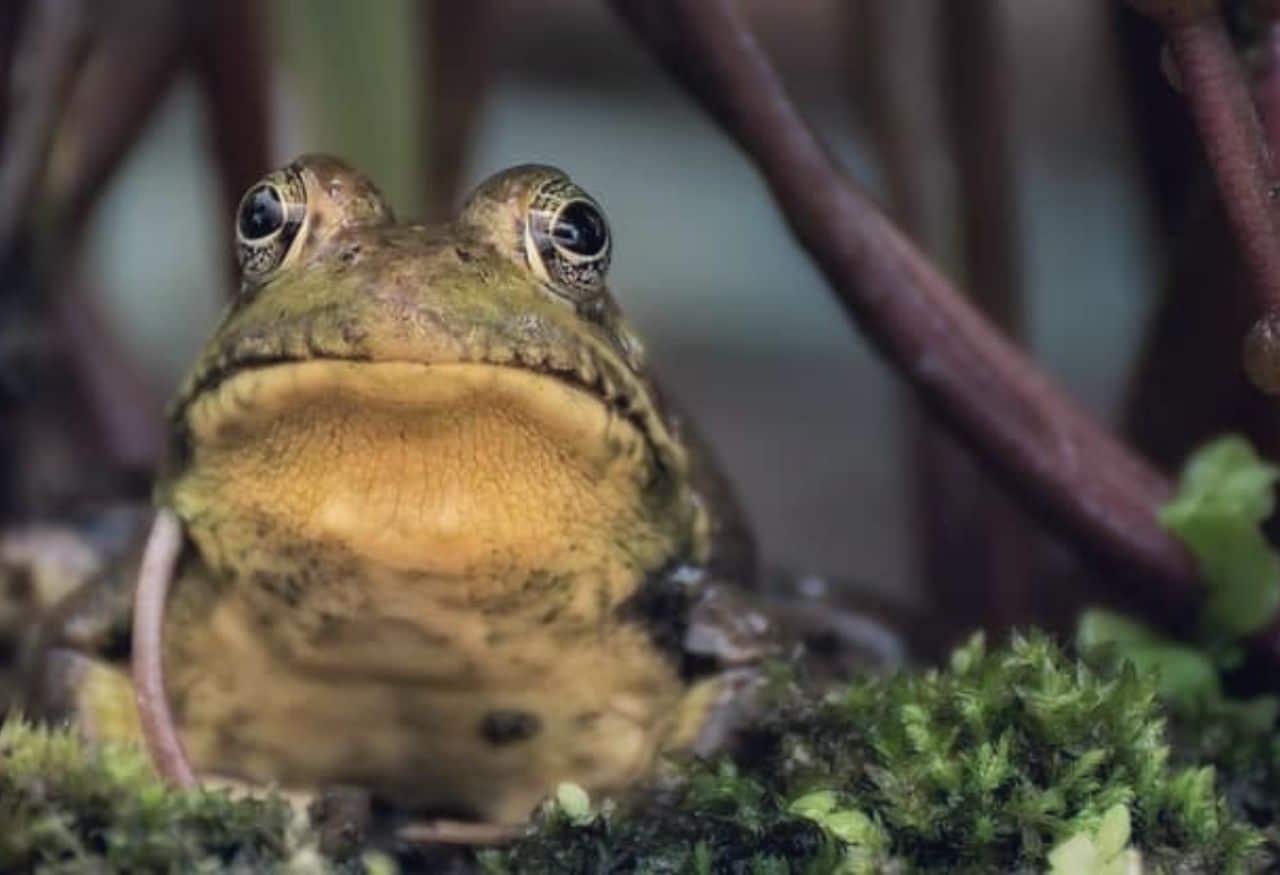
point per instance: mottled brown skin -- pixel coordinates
(427, 494)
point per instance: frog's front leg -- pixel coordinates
(91, 694)
(63, 585)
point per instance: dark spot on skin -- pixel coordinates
(505, 727)
(464, 255)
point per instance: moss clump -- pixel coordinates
(67, 808)
(984, 766)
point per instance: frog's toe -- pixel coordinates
(94, 696)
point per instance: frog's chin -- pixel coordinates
(460, 404)
(455, 471)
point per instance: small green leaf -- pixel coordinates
(847, 824)
(1113, 833)
(814, 805)
(1076, 856)
(1185, 675)
(853, 827)
(574, 802)
(702, 859)
(1224, 495)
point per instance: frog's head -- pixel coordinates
(501, 318)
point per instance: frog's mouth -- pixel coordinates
(454, 470)
(589, 408)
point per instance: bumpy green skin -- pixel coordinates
(982, 767)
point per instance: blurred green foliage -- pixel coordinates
(358, 69)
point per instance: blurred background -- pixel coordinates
(431, 98)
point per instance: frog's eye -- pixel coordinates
(567, 240)
(261, 213)
(267, 223)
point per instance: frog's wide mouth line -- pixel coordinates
(609, 383)
(252, 395)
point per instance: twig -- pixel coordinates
(1222, 108)
(49, 57)
(229, 48)
(127, 75)
(229, 54)
(907, 129)
(159, 561)
(970, 552)
(456, 73)
(457, 832)
(976, 69)
(1187, 384)
(13, 15)
(1044, 447)
(1168, 151)
(1266, 85)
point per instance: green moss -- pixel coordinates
(985, 766)
(67, 808)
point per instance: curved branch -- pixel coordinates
(159, 560)
(1222, 108)
(48, 62)
(137, 58)
(1046, 449)
(230, 54)
(1266, 85)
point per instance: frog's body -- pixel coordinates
(428, 491)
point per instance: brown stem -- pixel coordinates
(159, 562)
(1222, 107)
(49, 57)
(229, 54)
(1168, 151)
(906, 127)
(13, 14)
(1187, 385)
(456, 73)
(1043, 446)
(1266, 86)
(126, 77)
(977, 80)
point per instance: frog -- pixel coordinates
(445, 540)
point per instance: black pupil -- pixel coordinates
(580, 228)
(262, 213)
